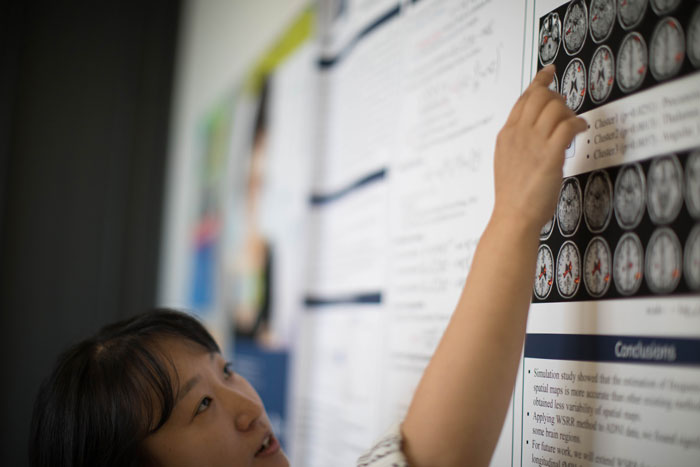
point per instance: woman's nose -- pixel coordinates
(246, 410)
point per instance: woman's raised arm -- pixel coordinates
(461, 401)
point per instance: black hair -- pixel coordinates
(261, 114)
(107, 393)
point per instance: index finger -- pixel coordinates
(543, 78)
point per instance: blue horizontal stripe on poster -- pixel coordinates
(613, 349)
(329, 62)
(358, 299)
(318, 199)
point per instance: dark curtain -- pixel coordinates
(84, 110)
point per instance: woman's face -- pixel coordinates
(218, 418)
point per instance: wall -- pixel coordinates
(412, 95)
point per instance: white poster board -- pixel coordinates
(411, 97)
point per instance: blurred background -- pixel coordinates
(94, 97)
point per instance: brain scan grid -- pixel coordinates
(629, 230)
(632, 229)
(605, 50)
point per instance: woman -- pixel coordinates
(155, 390)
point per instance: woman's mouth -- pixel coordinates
(269, 446)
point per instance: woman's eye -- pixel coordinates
(228, 370)
(203, 405)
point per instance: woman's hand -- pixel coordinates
(530, 152)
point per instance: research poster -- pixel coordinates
(410, 98)
(611, 364)
(213, 138)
